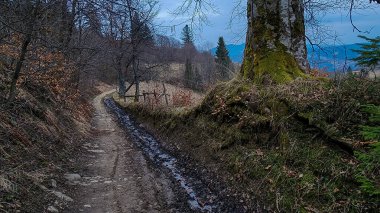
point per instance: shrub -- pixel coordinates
(182, 98)
(369, 166)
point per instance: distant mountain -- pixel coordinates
(333, 57)
(329, 58)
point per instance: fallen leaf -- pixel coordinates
(259, 152)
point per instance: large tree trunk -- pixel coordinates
(275, 43)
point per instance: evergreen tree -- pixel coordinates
(369, 54)
(368, 167)
(187, 36)
(187, 39)
(147, 35)
(222, 59)
(141, 32)
(349, 70)
(188, 74)
(141, 36)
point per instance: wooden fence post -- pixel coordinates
(166, 95)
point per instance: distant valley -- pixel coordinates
(330, 58)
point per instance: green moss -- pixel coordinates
(279, 66)
(307, 178)
(247, 67)
(307, 115)
(320, 122)
(233, 137)
(277, 107)
(284, 140)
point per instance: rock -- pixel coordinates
(87, 144)
(53, 183)
(72, 177)
(96, 150)
(43, 187)
(87, 206)
(73, 183)
(52, 209)
(62, 196)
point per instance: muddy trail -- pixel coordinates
(163, 160)
(127, 170)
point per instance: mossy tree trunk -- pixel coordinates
(275, 43)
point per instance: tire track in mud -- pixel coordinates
(112, 176)
(116, 161)
(154, 152)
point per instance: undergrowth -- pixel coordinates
(288, 145)
(368, 173)
(39, 131)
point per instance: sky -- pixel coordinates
(337, 23)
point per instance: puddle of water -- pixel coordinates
(151, 147)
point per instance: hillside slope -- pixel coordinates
(290, 146)
(39, 134)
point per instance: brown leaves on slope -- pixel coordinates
(43, 67)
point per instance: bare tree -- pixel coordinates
(21, 17)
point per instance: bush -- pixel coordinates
(369, 166)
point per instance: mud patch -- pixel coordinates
(153, 150)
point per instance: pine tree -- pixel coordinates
(187, 39)
(349, 70)
(187, 36)
(147, 35)
(369, 54)
(222, 59)
(368, 167)
(140, 31)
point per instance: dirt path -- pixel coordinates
(117, 178)
(126, 169)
